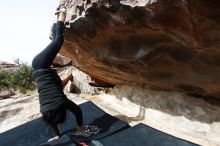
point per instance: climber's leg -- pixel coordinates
(45, 58)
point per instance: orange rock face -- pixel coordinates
(159, 44)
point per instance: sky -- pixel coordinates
(24, 28)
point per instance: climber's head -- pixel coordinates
(55, 116)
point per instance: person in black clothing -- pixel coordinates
(53, 102)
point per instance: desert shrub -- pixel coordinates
(5, 76)
(20, 79)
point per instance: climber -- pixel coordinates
(53, 102)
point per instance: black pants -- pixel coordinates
(45, 59)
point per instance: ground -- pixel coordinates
(175, 113)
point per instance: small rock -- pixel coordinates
(61, 61)
(66, 75)
(6, 94)
(69, 87)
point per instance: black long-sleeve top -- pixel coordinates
(50, 91)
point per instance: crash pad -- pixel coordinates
(36, 132)
(62, 141)
(141, 135)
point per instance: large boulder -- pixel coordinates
(158, 44)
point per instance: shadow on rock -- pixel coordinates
(172, 103)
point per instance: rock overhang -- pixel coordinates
(163, 45)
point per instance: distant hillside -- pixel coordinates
(6, 65)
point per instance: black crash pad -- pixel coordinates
(63, 141)
(36, 132)
(141, 135)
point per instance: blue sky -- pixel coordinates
(24, 28)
